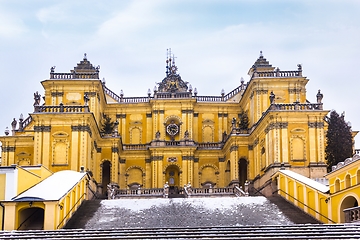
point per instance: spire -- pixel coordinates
(172, 82)
(171, 68)
(85, 66)
(261, 65)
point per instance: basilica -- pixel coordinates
(173, 135)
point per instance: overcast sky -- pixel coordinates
(215, 42)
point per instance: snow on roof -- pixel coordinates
(312, 183)
(52, 188)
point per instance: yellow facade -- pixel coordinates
(307, 194)
(326, 204)
(173, 134)
(38, 213)
(15, 180)
(344, 180)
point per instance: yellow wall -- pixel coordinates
(26, 180)
(347, 174)
(326, 207)
(2, 186)
(307, 198)
(56, 213)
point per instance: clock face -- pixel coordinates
(172, 129)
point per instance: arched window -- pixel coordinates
(337, 185)
(347, 181)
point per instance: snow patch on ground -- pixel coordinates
(209, 203)
(186, 212)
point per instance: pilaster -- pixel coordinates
(196, 172)
(10, 216)
(122, 180)
(51, 215)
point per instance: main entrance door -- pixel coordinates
(172, 177)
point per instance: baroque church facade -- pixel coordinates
(172, 135)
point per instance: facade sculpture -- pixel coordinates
(174, 122)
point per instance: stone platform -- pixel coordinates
(189, 212)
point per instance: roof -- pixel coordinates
(52, 188)
(312, 183)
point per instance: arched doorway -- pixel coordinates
(172, 176)
(227, 174)
(243, 172)
(348, 202)
(31, 219)
(106, 167)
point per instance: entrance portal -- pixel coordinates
(105, 176)
(172, 177)
(31, 219)
(348, 202)
(243, 172)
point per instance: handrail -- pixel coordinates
(304, 205)
(38, 209)
(92, 191)
(70, 210)
(239, 190)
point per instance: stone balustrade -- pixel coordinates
(27, 121)
(296, 106)
(135, 146)
(210, 145)
(159, 192)
(209, 98)
(277, 73)
(61, 108)
(74, 75)
(141, 192)
(352, 215)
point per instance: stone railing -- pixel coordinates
(61, 108)
(296, 106)
(232, 93)
(27, 121)
(277, 73)
(162, 95)
(122, 99)
(159, 192)
(210, 145)
(212, 191)
(135, 146)
(141, 192)
(173, 143)
(209, 98)
(74, 75)
(352, 215)
(111, 93)
(134, 99)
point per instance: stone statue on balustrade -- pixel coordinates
(272, 97)
(188, 188)
(37, 98)
(111, 190)
(13, 124)
(186, 135)
(166, 190)
(233, 123)
(157, 135)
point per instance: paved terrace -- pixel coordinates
(186, 212)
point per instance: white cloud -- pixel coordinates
(136, 16)
(11, 25)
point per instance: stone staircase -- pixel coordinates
(338, 231)
(295, 214)
(191, 218)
